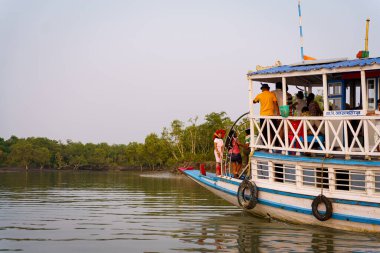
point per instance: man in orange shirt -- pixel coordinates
(268, 105)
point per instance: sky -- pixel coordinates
(115, 71)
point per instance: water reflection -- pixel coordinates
(124, 212)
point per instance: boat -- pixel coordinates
(316, 170)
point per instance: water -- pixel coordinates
(124, 212)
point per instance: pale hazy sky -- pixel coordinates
(115, 71)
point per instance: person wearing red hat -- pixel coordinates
(218, 149)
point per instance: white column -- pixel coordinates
(299, 181)
(325, 94)
(326, 109)
(332, 180)
(271, 171)
(309, 89)
(364, 92)
(283, 91)
(251, 113)
(370, 182)
(285, 126)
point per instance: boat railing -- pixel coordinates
(347, 136)
(330, 177)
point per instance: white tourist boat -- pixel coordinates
(322, 170)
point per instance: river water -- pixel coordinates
(79, 211)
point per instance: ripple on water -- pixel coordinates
(120, 211)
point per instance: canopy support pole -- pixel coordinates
(325, 94)
(251, 114)
(364, 92)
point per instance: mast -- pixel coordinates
(301, 34)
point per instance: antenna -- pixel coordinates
(364, 53)
(366, 35)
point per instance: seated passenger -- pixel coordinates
(299, 104)
(313, 106)
(305, 111)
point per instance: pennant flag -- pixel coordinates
(308, 58)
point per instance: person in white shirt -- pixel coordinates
(218, 149)
(278, 93)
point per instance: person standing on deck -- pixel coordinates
(268, 106)
(218, 149)
(232, 145)
(278, 93)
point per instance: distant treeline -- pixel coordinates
(177, 144)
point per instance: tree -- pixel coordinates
(41, 156)
(21, 154)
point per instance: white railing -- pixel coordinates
(348, 136)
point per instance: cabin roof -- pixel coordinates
(309, 72)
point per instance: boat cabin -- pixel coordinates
(348, 127)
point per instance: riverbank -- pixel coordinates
(210, 166)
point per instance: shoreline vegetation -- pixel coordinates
(179, 145)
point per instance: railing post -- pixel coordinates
(327, 135)
(286, 135)
(332, 180)
(305, 126)
(268, 137)
(298, 176)
(346, 154)
(370, 182)
(270, 172)
(366, 139)
(254, 169)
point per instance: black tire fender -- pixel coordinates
(329, 209)
(247, 200)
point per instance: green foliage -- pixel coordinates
(177, 144)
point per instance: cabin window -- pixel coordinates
(377, 182)
(371, 94)
(284, 173)
(262, 170)
(335, 96)
(350, 180)
(316, 177)
(335, 88)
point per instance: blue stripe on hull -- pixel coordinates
(195, 175)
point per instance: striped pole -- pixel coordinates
(301, 35)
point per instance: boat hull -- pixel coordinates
(291, 207)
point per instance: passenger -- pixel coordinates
(299, 104)
(234, 153)
(268, 107)
(313, 106)
(278, 93)
(247, 150)
(218, 149)
(305, 111)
